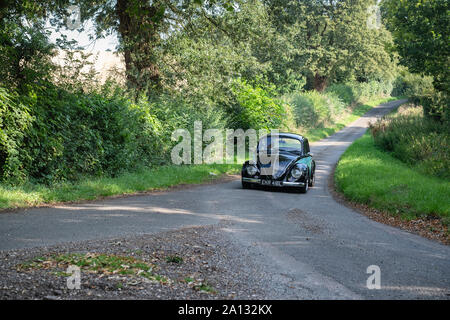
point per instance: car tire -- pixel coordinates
(305, 188)
(312, 180)
(246, 185)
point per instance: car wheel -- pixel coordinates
(305, 188)
(246, 185)
(312, 180)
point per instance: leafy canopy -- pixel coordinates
(421, 29)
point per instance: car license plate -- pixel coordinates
(271, 183)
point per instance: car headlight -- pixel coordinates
(298, 171)
(252, 170)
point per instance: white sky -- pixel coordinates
(105, 44)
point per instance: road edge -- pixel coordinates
(224, 178)
(416, 226)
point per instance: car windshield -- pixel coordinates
(280, 143)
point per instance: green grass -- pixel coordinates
(205, 287)
(316, 134)
(174, 259)
(105, 264)
(368, 175)
(127, 183)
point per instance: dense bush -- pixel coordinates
(416, 140)
(257, 107)
(15, 120)
(345, 92)
(53, 135)
(421, 91)
(352, 92)
(74, 134)
(411, 85)
(436, 105)
(174, 112)
(314, 109)
(369, 90)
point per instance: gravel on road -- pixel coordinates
(208, 266)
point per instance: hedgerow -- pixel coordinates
(416, 140)
(50, 134)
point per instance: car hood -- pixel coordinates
(273, 169)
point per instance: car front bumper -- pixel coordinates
(279, 183)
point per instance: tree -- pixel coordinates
(331, 37)
(142, 27)
(421, 31)
(25, 50)
(146, 29)
(204, 58)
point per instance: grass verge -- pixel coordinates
(316, 134)
(372, 177)
(127, 183)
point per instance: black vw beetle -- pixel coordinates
(282, 160)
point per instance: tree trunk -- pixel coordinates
(139, 25)
(320, 82)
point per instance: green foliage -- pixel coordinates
(15, 120)
(420, 29)
(25, 53)
(331, 41)
(412, 85)
(422, 92)
(348, 116)
(436, 105)
(369, 90)
(174, 112)
(174, 259)
(415, 140)
(63, 135)
(99, 263)
(351, 92)
(75, 134)
(314, 109)
(345, 92)
(258, 109)
(201, 60)
(75, 72)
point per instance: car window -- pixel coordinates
(285, 143)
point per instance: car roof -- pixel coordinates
(287, 135)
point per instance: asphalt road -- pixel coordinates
(318, 247)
